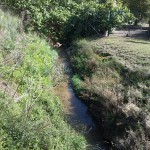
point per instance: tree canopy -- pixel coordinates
(140, 8)
(71, 18)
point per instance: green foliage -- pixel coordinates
(140, 8)
(83, 58)
(77, 83)
(67, 20)
(94, 18)
(8, 36)
(31, 115)
(46, 17)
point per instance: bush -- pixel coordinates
(94, 18)
(69, 20)
(77, 83)
(82, 58)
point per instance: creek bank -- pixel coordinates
(114, 88)
(76, 111)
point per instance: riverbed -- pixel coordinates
(76, 112)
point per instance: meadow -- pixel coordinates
(131, 52)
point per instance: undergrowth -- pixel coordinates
(31, 115)
(110, 77)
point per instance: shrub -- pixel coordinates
(77, 83)
(83, 58)
(69, 20)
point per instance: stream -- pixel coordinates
(81, 120)
(77, 113)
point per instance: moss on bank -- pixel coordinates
(112, 75)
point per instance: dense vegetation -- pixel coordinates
(31, 115)
(113, 76)
(66, 20)
(140, 8)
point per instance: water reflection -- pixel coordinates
(81, 120)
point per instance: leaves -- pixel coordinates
(61, 20)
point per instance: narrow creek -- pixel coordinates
(77, 113)
(80, 119)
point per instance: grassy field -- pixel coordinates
(31, 114)
(133, 53)
(112, 74)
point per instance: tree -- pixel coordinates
(57, 19)
(139, 8)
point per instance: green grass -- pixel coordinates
(134, 53)
(31, 115)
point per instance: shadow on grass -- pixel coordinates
(139, 42)
(142, 39)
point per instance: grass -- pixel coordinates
(112, 75)
(134, 53)
(31, 115)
